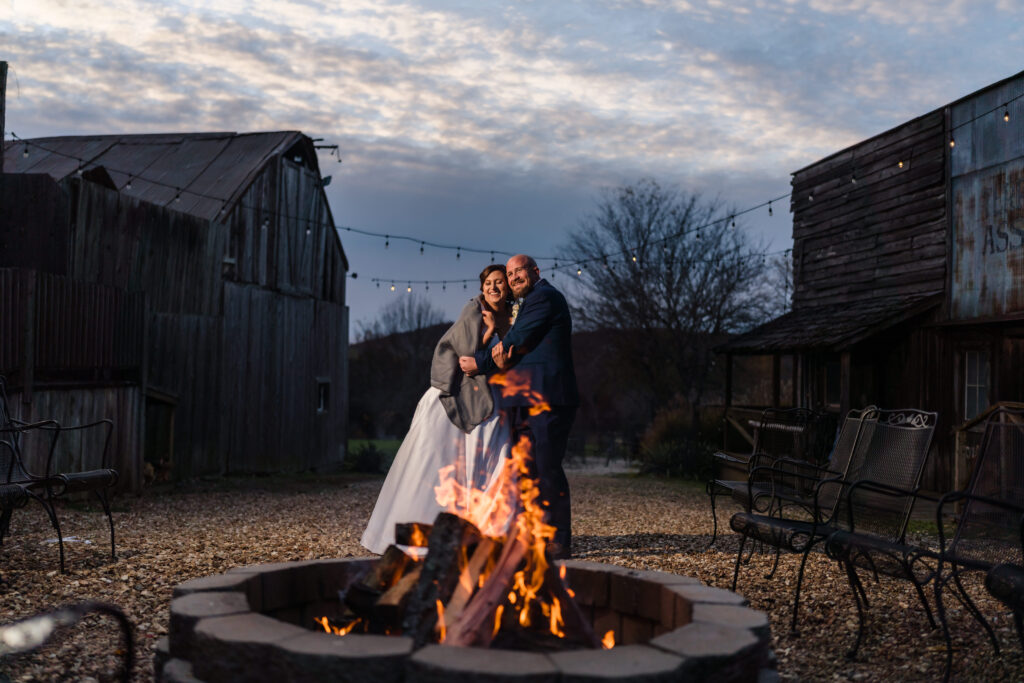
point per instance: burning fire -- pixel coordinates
(510, 515)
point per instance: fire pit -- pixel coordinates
(257, 623)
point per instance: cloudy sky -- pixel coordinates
(497, 124)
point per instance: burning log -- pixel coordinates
(364, 594)
(412, 534)
(451, 539)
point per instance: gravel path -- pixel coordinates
(170, 535)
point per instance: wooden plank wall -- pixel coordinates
(34, 213)
(884, 234)
(282, 256)
(81, 450)
(274, 349)
(121, 241)
(184, 362)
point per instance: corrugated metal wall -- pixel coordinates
(987, 184)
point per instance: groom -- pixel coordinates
(539, 345)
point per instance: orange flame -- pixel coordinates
(440, 622)
(608, 642)
(419, 539)
(336, 630)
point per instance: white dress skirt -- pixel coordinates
(432, 444)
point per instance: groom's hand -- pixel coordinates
(468, 365)
(502, 358)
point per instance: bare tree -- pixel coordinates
(667, 276)
(407, 313)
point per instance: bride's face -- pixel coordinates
(495, 290)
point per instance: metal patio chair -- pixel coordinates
(797, 434)
(888, 446)
(52, 485)
(31, 633)
(987, 537)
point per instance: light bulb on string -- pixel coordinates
(177, 197)
(734, 221)
(458, 252)
(24, 154)
(421, 248)
(128, 186)
(1006, 113)
(579, 271)
(266, 223)
(697, 236)
(769, 207)
(444, 286)
(387, 243)
(492, 257)
(464, 284)
(952, 142)
(900, 163)
(426, 287)
(378, 285)
(392, 286)
(634, 258)
(853, 179)
(409, 288)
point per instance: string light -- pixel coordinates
(900, 164)
(458, 253)
(409, 288)
(177, 197)
(853, 179)
(734, 221)
(952, 142)
(128, 186)
(392, 286)
(444, 286)
(387, 241)
(1006, 113)
(579, 271)
(24, 154)
(421, 248)
(769, 207)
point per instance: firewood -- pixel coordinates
(386, 614)
(468, 578)
(387, 570)
(476, 624)
(576, 626)
(414, 534)
(451, 540)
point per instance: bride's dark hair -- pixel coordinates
(490, 269)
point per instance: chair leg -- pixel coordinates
(714, 515)
(739, 554)
(976, 613)
(5, 523)
(941, 609)
(775, 564)
(799, 583)
(52, 514)
(857, 588)
(105, 502)
(920, 595)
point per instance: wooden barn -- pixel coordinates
(908, 257)
(190, 286)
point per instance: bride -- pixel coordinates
(457, 424)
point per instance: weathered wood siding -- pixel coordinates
(884, 234)
(281, 236)
(33, 223)
(124, 242)
(81, 450)
(275, 348)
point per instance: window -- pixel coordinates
(976, 376)
(323, 396)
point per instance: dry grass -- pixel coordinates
(168, 536)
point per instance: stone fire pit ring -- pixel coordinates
(256, 623)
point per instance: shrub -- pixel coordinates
(364, 458)
(674, 445)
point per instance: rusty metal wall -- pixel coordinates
(987, 188)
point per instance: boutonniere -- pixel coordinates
(515, 311)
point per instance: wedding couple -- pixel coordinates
(518, 320)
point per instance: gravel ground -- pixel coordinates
(170, 535)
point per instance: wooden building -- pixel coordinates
(908, 257)
(191, 286)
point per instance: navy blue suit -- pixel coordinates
(543, 329)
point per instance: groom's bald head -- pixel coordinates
(522, 272)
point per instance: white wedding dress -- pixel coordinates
(433, 443)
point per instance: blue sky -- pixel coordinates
(497, 124)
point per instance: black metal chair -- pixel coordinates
(889, 446)
(52, 485)
(988, 535)
(798, 434)
(33, 632)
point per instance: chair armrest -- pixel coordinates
(885, 490)
(957, 496)
(108, 423)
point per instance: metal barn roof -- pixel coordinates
(208, 171)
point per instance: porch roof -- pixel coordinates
(834, 327)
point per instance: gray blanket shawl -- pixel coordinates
(467, 400)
